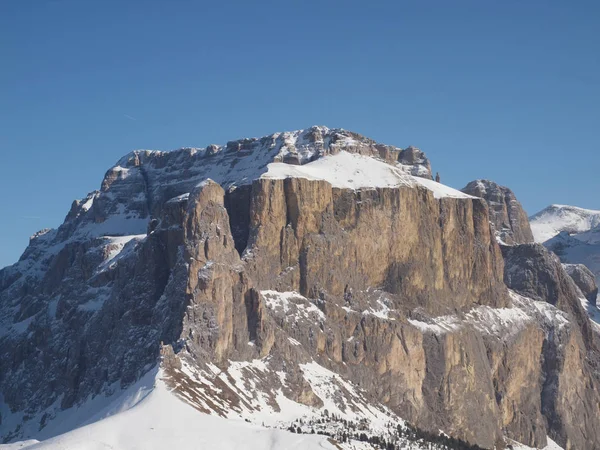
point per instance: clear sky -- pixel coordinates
(505, 90)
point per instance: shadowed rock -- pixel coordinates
(584, 279)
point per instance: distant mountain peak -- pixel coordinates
(556, 218)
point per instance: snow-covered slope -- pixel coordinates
(353, 171)
(344, 170)
(551, 446)
(156, 419)
(152, 415)
(249, 410)
(556, 218)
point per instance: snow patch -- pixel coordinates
(343, 170)
(116, 248)
(341, 398)
(592, 311)
(501, 322)
(551, 445)
(440, 190)
(292, 304)
(383, 311)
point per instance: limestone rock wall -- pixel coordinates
(307, 236)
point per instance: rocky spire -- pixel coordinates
(506, 213)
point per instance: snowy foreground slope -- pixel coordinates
(303, 281)
(149, 416)
(158, 420)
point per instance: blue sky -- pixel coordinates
(508, 90)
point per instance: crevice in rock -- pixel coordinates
(292, 204)
(550, 386)
(237, 204)
(146, 190)
(303, 265)
(253, 314)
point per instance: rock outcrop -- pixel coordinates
(584, 279)
(253, 285)
(417, 161)
(506, 213)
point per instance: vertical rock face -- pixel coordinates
(318, 239)
(336, 245)
(517, 377)
(215, 289)
(506, 213)
(396, 291)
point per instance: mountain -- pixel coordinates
(307, 280)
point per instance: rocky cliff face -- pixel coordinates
(507, 215)
(317, 268)
(319, 240)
